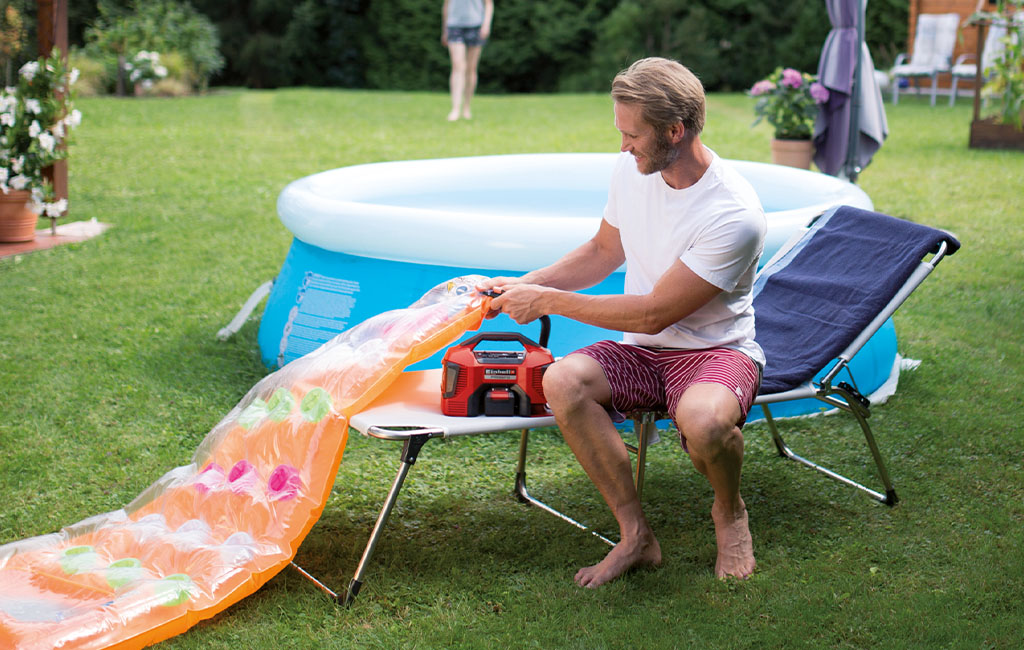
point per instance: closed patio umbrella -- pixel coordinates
(851, 126)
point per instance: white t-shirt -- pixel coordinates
(716, 227)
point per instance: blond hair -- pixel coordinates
(666, 91)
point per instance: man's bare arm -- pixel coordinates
(676, 295)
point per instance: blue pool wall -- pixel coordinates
(489, 216)
(320, 293)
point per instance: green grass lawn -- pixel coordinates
(110, 374)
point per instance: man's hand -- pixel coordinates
(496, 286)
(521, 302)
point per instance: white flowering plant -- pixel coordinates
(36, 119)
(144, 69)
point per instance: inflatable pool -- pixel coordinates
(373, 237)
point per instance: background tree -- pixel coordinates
(270, 43)
(114, 33)
(554, 45)
(121, 29)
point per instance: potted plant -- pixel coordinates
(788, 99)
(36, 117)
(1003, 81)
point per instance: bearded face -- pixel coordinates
(652, 149)
(660, 155)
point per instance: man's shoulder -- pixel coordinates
(732, 188)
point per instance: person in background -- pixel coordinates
(466, 25)
(690, 230)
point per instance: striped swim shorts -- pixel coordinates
(656, 378)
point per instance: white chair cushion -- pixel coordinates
(911, 70)
(965, 70)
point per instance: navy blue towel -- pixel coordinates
(812, 303)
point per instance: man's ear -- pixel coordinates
(676, 132)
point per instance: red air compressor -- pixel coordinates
(496, 382)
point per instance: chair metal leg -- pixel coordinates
(643, 426)
(935, 87)
(309, 576)
(410, 451)
(524, 495)
(860, 414)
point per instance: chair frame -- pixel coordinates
(839, 394)
(845, 396)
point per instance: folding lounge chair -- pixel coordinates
(934, 40)
(817, 303)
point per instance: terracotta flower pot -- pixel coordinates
(17, 220)
(793, 153)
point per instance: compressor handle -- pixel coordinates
(545, 332)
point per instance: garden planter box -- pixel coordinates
(987, 134)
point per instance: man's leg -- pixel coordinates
(577, 390)
(472, 60)
(707, 414)
(457, 80)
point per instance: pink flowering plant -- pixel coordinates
(788, 99)
(36, 118)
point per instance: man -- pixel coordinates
(690, 231)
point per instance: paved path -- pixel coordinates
(68, 233)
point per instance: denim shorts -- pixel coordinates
(468, 35)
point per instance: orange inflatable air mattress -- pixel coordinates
(208, 534)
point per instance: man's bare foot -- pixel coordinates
(623, 557)
(467, 114)
(735, 546)
(454, 115)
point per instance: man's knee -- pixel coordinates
(574, 379)
(707, 418)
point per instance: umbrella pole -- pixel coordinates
(851, 169)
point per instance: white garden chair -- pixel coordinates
(932, 54)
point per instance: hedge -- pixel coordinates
(536, 46)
